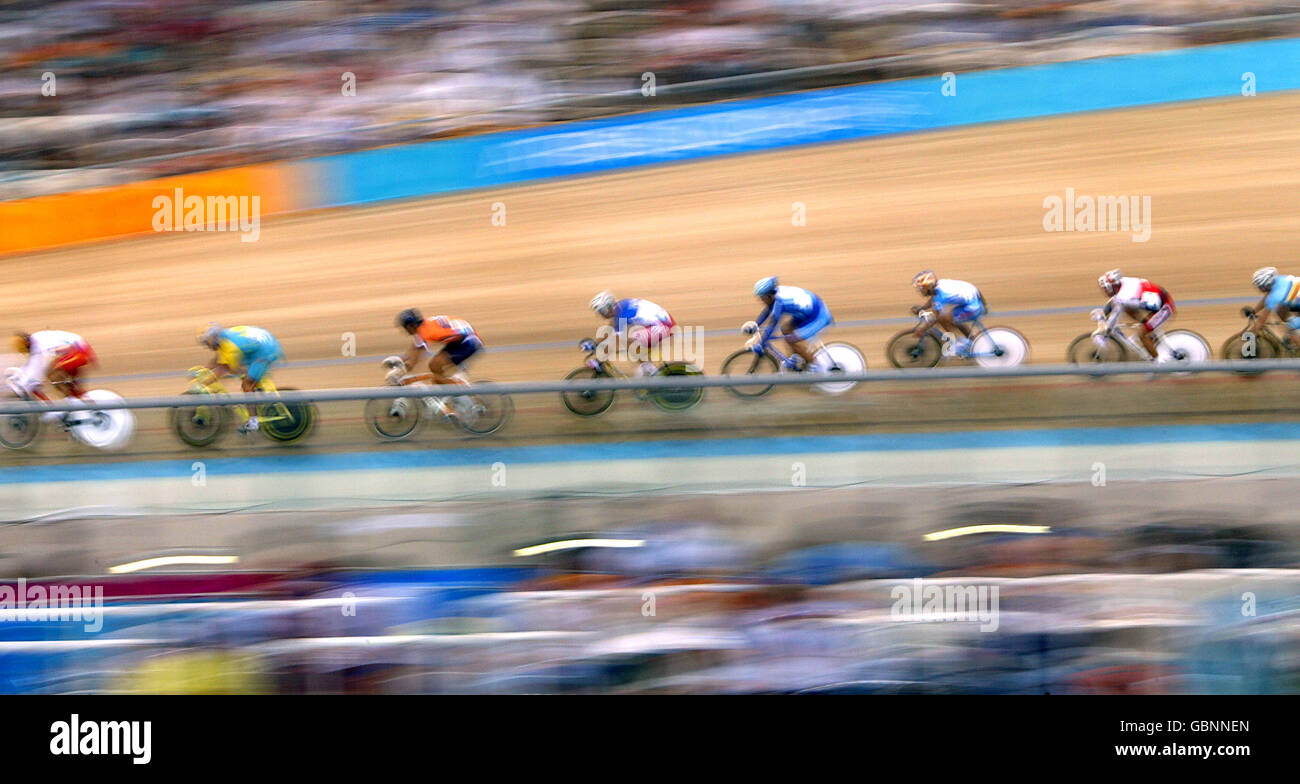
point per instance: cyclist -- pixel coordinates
(242, 351)
(954, 304)
(644, 324)
(449, 343)
(1281, 297)
(1141, 300)
(799, 313)
(54, 356)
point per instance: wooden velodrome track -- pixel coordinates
(1223, 177)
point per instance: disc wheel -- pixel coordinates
(746, 363)
(1000, 347)
(587, 402)
(285, 422)
(678, 399)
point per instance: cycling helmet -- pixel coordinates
(925, 281)
(410, 318)
(208, 335)
(22, 342)
(1110, 281)
(765, 287)
(603, 303)
(1264, 277)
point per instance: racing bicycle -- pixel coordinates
(1258, 341)
(394, 419)
(989, 347)
(1109, 343)
(102, 429)
(201, 424)
(590, 402)
(760, 357)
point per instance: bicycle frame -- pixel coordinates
(1121, 336)
(1270, 330)
(977, 331)
(817, 347)
(215, 387)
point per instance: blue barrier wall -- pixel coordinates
(805, 118)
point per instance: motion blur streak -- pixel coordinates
(975, 536)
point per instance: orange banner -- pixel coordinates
(144, 207)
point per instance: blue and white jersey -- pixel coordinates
(955, 292)
(801, 305)
(640, 313)
(1285, 291)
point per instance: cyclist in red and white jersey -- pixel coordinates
(1146, 303)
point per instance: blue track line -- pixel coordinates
(643, 450)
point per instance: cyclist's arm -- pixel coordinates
(226, 360)
(924, 325)
(1262, 307)
(774, 313)
(35, 368)
(413, 354)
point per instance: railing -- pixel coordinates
(671, 382)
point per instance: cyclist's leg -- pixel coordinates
(960, 320)
(645, 343)
(1292, 322)
(952, 318)
(64, 371)
(800, 335)
(256, 378)
(1151, 328)
(447, 365)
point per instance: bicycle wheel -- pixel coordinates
(1000, 347)
(746, 363)
(201, 424)
(838, 358)
(678, 399)
(18, 431)
(587, 402)
(1084, 350)
(1184, 347)
(394, 419)
(284, 422)
(481, 415)
(906, 350)
(1251, 344)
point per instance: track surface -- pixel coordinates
(1222, 176)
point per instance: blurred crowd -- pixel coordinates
(151, 87)
(1171, 607)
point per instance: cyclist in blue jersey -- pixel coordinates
(954, 303)
(800, 315)
(1281, 298)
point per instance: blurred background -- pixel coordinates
(1139, 533)
(155, 87)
